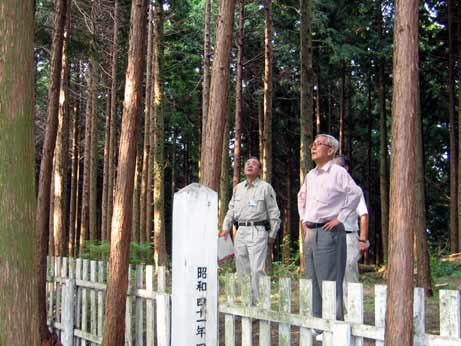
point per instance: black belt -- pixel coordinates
(252, 223)
(314, 224)
(351, 232)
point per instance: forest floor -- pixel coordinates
(445, 275)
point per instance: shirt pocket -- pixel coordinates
(322, 193)
(260, 204)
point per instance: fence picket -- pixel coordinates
(78, 310)
(93, 312)
(129, 308)
(380, 308)
(450, 313)
(85, 277)
(285, 306)
(328, 308)
(247, 324)
(67, 337)
(354, 308)
(163, 310)
(265, 303)
(58, 295)
(101, 279)
(305, 309)
(229, 319)
(139, 307)
(150, 324)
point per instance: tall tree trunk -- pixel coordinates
(206, 75)
(73, 205)
(383, 159)
(160, 255)
(330, 109)
(399, 308)
(369, 156)
(459, 128)
(114, 324)
(19, 318)
(146, 164)
(223, 186)
(317, 106)
(61, 151)
(92, 215)
(113, 112)
(307, 102)
(46, 165)
(137, 235)
(238, 96)
(260, 128)
(85, 226)
(423, 274)
(267, 157)
(342, 106)
(452, 132)
(219, 92)
(105, 169)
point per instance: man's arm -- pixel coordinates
(230, 216)
(352, 195)
(302, 199)
(273, 212)
(362, 211)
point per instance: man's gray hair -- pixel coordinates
(332, 141)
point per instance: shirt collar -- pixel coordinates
(254, 183)
(325, 168)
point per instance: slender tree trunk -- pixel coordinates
(92, 215)
(459, 128)
(61, 151)
(330, 109)
(137, 235)
(267, 157)
(147, 119)
(342, 102)
(74, 173)
(452, 132)
(399, 309)
(307, 102)
(160, 256)
(223, 186)
(317, 107)
(46, 165)
(238, 96)
(19, 317)
(267, 149)
(105, 170)
(114, 324)
(383, 154)
(260, 128)
(219, 92)
(369, 157)
(113, 112)
(93, 155)
(423, 274)
(206, 76)
(85, 226)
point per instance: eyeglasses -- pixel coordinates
(316, 144)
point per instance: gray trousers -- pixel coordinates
(250, 247)
(325, 259)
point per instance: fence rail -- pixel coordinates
(76, 291)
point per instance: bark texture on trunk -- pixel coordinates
(267, 139)
(46, 165)
(114, 325)
(399, 309)
(219, 93)
(19, 318)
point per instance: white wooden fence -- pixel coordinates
(76, 309)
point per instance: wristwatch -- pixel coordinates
(365, 241)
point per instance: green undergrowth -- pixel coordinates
(140, 253)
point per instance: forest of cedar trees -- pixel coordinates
(134, 100)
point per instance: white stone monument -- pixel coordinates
(195, 275)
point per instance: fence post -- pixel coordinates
(68, 313)
(341, 334)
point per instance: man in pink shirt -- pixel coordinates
(326, 198)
